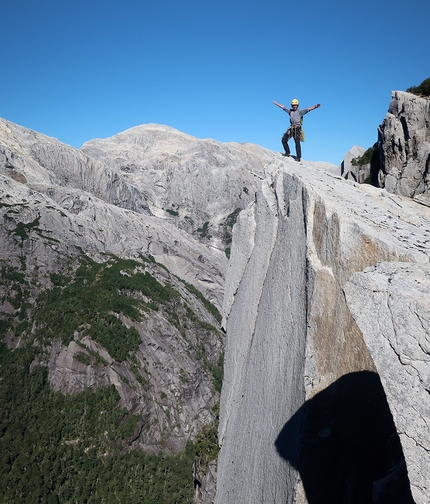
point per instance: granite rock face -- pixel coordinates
(294, 347)
(205, 491)
(165, 382)
(404, 145)
(198, 179)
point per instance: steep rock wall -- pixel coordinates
(260, 383)
(172, 392)
(293, 344)
(404, 145)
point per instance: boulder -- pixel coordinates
(355, 172)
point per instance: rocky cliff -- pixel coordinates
(325, 395)
(115, 258)
(404, 146)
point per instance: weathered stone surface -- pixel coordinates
(290, 333)
(45, 163)
(198, 178)
(261, 387)
(97, 229)
(404, 145)
(390, 303)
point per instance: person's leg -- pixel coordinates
(285, 138)
(297, 135)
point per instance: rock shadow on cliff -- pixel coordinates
(345, 446)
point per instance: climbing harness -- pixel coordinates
(293, 129)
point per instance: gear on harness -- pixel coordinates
(302, 133)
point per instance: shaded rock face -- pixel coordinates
(296, 350)
(349, 446)
(404, 145)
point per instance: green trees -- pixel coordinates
(56, 449)
(422, 90)
(366, 158)
(68, 449)
(94, 296)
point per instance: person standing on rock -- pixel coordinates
(295, 129)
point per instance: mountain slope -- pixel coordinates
(111, 276)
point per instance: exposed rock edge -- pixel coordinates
(291, 332)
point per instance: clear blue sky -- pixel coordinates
(82, 69)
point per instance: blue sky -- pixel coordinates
(82, 69)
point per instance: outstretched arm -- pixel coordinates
(314, 107)
(278, 104)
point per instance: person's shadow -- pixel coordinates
(345, 446)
